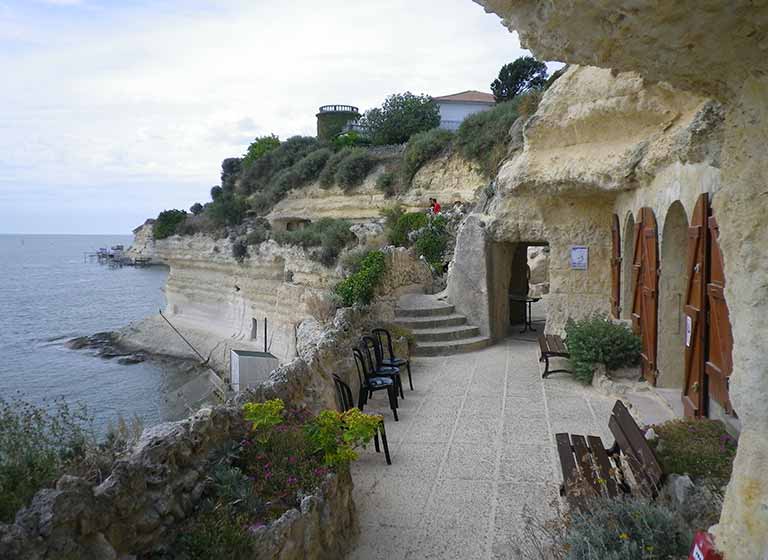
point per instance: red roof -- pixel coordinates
(471, 96)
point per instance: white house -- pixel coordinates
(458, 106)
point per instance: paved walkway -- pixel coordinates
(473, 448)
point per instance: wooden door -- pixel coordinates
(616, 268)
(645, 276)
(694, 389)
(719, 364)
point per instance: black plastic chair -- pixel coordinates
(373, 354)
(382, 335)
(344, 394)
(370, 383)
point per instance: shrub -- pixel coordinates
(400, 117)
(322, 307)
(432, 242)
(359, 288)
(263, 170)
(701, 449)
(421, 148)
(260, 146)
(230, 171)
(353, 169)
(196, 209)
(167, 222)
(483, 137)
(39, 444)
(387, 183)
(228, 209)
(239, 249)
(329, 234)
(406, 223)
(595, 340)
(308, 168)
(621, 529)
(328, 174)
(216, 192)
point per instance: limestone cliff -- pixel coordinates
(709, 48)
(448, 178)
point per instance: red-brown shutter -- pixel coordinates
(694, 404)
(646, 283)
(719, 364)
(615, 268)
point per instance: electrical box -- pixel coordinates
(248, 368)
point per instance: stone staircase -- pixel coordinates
(438, 329)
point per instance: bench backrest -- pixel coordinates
(633, 444)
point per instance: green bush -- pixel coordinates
(260, 146)
(328, 174)
(423, 147)
(483, 137)
(353, 169)
(167, 222)
(330, 234)
(308, 168)
(702, 449)
(263, 170)
(39, 444)
(406, 223)
(359, 288)
(387, 183)
(598, 340)
(196, 209)
(627, 529)
(228, 209)
(401, 116)
(259, 233)
(432, 242)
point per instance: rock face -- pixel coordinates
(212, 299)
(707, 48)
(143, 242)
(448, 178)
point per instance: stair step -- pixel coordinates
(416, 323)
(446, 333)
(431, 311)
(446, 348)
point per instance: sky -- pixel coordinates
(113, 110)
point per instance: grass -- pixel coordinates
(702, 449)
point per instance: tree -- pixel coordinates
(401, 116)
(260, 146)
(524, 74)
(216, 192)
(196, 208)
(167, 222)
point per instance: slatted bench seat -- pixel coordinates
(591, 470)
(552, 346)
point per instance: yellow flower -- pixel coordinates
(624, 536)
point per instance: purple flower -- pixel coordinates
(267, 475)
(321, 471)
(292, 481)
(267, 466)
(292, 460)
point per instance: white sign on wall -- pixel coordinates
(579, 257)
(688, 329)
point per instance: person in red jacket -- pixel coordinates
(434, 205)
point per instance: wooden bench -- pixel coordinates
(591, 470)
(552, 346)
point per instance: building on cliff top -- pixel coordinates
(456, 107)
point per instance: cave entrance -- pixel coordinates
(518, 282)
(673, 280)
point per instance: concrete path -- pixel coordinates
(473, 448)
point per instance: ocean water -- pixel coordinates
(48, 295)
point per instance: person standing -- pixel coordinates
(435, 205)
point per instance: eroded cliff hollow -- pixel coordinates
(708, 48)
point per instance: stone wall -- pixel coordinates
(159, 483)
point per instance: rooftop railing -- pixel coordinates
(339, 109)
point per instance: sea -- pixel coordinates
(50, 292)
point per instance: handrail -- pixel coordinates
(339, 108)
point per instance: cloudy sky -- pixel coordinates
(112, 110)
